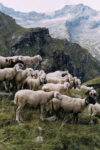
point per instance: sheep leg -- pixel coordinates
(41, 112)
(21, 118)
(18, 86)
(5, 85)
(18, 111)
(75, 118)
(91, 116)
(47, 107)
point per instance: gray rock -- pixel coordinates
(39, 139)
(52, 118)
(40, 130)
(6, 95)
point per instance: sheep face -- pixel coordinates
(21, 66)
(66, 85)
(30, 72)
(17, 67)
(93, 94)
(57, 95)
(90, 100)
(43, 78)
(39, 57)
(20, 58)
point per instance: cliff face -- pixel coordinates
(57, 54)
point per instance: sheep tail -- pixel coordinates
(16, 99)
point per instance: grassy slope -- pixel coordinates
(70, 137)
(94, 81)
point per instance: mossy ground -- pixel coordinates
(81, 136)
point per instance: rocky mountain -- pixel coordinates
(56, 53)
(78, 23)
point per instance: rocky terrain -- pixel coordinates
(56, 53)
(78, 23)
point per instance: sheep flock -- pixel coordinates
(46, 91)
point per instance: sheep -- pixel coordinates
(56, 87)
(29, 61)
(4, 62)
(90, 91)
(93, 111)
(33, 84)
(8, 74)
(57, 74)
(33, 98)
(71, 105)
(10, 62)
(21, 76)
(77, 82)
(56, 80)
(15, 58)
(86, 88)
(39, 73)
(59, 79)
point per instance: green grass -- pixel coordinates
(82, 136)
(93, 81)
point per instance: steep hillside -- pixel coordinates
(7, 29)
(57, 54)
(77, 23)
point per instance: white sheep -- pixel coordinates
(71, 105)
(86, 88)
(33, 84)
(56, 80)
(77, 82)
(56, 87)
(21, 76)
(33, 98)
(8, 74)
(57, 74)
(4, 62)
(29, 61)
(93, 111)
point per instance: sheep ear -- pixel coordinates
(7, 60)
(11, 60)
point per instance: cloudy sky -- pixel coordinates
(46, 5)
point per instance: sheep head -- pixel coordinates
(30, 72)
(90, 100)
(66, 85)
(93, 94)
(39, 57)
(43, 78)
(57, 95)
(18, 67)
